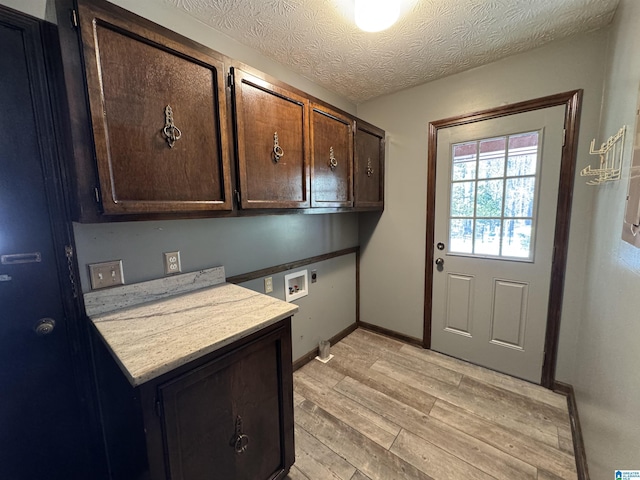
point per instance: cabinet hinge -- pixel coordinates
(230, 79)
(96, 193)
(74, 18)
(68, 252)
(158, 408)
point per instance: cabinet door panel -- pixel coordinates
(331, 158)
(203, 411)
(369, 166)
(133, 74)
(262, 112)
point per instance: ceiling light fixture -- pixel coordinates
(376, 15)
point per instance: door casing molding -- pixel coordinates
(572, 102)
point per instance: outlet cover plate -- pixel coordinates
(268, 285)
(106, 274)
(172, 263)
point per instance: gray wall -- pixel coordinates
(607, 380)
(330, 306)
(393, 245)
(240, 244)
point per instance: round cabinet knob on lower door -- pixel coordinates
(44, 326)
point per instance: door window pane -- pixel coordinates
(493, 196)
(520, 193)
(462, 199)
(464, 161)
(516, 238)
(461, 235)
(489, 202)
(487, 237)
(523, 154)
(491, 168)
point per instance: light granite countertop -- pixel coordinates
(153, 338)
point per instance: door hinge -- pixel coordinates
(158, 406)
(96, 193)
(74, 18)
(230, 79)
(564, 136)
(68, 252)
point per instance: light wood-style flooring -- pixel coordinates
(385, 410)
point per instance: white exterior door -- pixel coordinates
(496, 199)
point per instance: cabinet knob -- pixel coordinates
(241, 444)
(278, 152)
(333, 163)
(369, 168)
(240, 441)
(44, 326)
(171, 132)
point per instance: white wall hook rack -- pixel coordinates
(610, 153)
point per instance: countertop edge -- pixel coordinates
(137, 373)
(166, 368)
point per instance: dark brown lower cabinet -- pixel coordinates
(226, 416)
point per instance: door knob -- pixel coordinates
(44, 326)
(439, 262)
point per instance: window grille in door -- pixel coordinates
(493, 196)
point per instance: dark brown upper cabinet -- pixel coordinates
(272, 134)
(369, 166)
(158, 115)
(331, 158)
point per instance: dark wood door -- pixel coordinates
(41, 433)
(158, 109)
(331, 158)
(272, 128)
(226, 419)
(369, 166)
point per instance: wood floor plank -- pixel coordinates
(359, 476)
(297, 398)
(497, 379)
(510, 441)
(466, 400)
(362, 359)
(367, 456)
(316, 460)
(485, 457)
(319, 371)
(566, 445)
(430, 369)
(564, 431)
(370, 424)
(393, 387)
(376, 340)
(542, 475)
(295, 474)
(533, 409)
(432, 460)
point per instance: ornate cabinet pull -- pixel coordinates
(171, 132)
(240, 441)
(278, 153)
(333, 163)
(369, 168)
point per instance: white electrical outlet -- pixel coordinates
(172, 263)
(268, 285)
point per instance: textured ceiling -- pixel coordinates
(432, 39)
